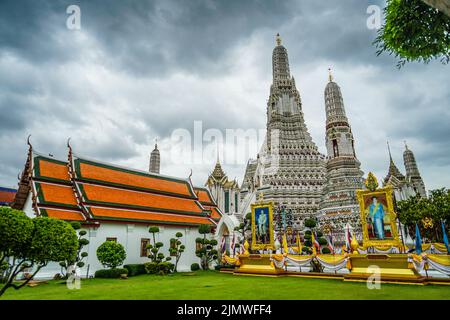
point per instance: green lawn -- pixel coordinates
(214, 285)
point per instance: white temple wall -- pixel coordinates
(129, 235)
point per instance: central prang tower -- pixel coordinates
(289, 169)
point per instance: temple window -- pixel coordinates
(335, 148)
(144, 249)
(227, 201)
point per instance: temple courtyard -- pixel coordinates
(215, 285)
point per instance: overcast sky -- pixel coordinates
(137, 70)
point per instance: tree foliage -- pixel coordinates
(111, 254)
(312, 227)
(245, 226)
(176, 248)
(436, 207)
(81, 255)
(414, 31)
(159, 263)
(155, 255)
(29, 244)
(206, 251)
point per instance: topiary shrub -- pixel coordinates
(326, 250)
(310, 223)
(110, 273)
(322, 241)
(307, 250)
(111, 254)
(135, 269)
(195, 267)
(176, 248)
(206, 252)
(81, 255)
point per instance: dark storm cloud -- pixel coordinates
(140, 69)
(147, 38)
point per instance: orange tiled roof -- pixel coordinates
(49, 168)
(111, 193)
(204, 196)
(55, 194)
(63, 214)
(88, 170)
(7, 195)
(215, 214)
(107, 213)
(128, 198)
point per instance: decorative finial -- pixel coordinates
(28, 141)
(156, 143)
(278, 39)
(406, 146)
(330, 75)
(389, 150)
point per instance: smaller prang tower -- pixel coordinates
(155, 160)
(412, 172)
(339, 204)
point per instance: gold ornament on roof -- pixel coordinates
(371, 182)
(260, 197)
(327, 228)
(427, 223)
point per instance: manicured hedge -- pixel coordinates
(326, 250)
(161, 268)
(224, 266)
(110, 273)
(195, 267)
(135, 269)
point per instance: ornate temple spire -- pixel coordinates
(389, 151)
(280, 63)
(393, 170)
(412, 171)
(343, 176)
(218, 172)
(334, 103)
(155, 160)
